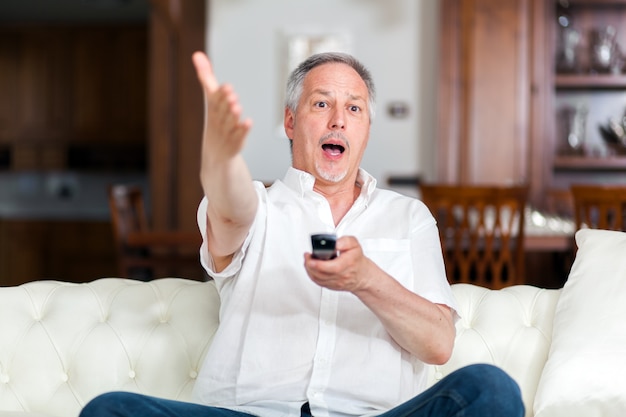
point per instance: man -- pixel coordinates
(300, 336)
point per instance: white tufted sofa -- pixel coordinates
(61, 344)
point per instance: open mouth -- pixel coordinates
(333, 148)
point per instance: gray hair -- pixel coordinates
(296, 79)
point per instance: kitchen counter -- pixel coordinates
(62, 195)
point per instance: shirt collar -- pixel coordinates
(301, 182)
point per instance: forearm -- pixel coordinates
(232, 203)
(419, 326)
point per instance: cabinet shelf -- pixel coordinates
(597, 3)
(582, 163)
(590, 81)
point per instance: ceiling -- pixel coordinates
(69, 11)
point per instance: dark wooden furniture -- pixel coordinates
(108, 97)
(560, 243)
(73, 88)
(66, 250)
(600, 206)
(481, 230)
(500, 94)
(484, 124)
(146, 254)
(175, 111)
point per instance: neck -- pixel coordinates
(340, 198)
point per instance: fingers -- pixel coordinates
(223, 111)
(346, 243)
(204, 71)
(343, 273)
(222, 101)
(225, 114)
(226, 107)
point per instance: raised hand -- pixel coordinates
(224, 132)
(225, 178)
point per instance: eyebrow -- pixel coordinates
(328, 94)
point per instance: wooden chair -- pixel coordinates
(481, 230)
(599, 206)
(144, 254)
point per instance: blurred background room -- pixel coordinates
(102, 92)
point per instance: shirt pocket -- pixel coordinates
(393, 256)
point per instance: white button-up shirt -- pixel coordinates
(283, 340)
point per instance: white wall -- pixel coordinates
(395, 39)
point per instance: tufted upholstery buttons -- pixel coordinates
(109, 335)
(101, 336)
(510, 328)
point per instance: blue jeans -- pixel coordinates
(472, 391)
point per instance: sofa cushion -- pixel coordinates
(23, 414)
(509, 328)
(584, 374)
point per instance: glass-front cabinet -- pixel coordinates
(589, 91)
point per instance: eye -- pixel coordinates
(355, 109)
(321, 104)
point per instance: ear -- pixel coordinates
(289, 122)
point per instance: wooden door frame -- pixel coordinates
(177, 28)
(456, 89)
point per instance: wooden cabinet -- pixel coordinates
(75, 251)
(589, 89)
(501, 97)
(33, 104)
(65, 86)
(484, 91)
(110, 66)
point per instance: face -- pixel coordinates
(331, 127)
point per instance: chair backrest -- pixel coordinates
(144, 253)
(599, 206)
(560, 202)
(482, 231)
(127, 211)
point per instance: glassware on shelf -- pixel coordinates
(568, 50)
(614, 135)
(605, 54)
(569, 42)
(574, 128)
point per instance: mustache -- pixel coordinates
(335, 135)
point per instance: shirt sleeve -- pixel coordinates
(206, 259)
(431, 282)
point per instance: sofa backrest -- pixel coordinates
(510, 328)
(61, 344)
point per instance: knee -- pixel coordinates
(494, 388)
(486, 375)
(107, 405)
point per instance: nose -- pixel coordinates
(337, 120)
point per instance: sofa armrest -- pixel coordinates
(510, 328)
